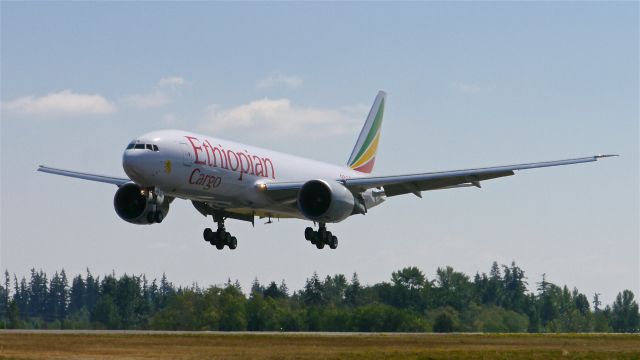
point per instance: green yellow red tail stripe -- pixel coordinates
(363, 155)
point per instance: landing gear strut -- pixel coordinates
(321, 237)
(220, 237)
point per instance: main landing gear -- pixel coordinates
(321, 237)
(221, 237)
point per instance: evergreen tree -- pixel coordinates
(624, 313)
(232, 308)
(284, 289)
(128, 299)
(78, 294)
(313, 293)
(256, 288)
(105, 313)
(353, 293)
(4, 303)
(21, 296)
(166, 289)
(13, 316)
(514, 288)
(92, 291)
(58, 297)
(495, 286)
(596, 302)
(274, 292)
(6, 293)
(580, 302)
(334, 289)
(38, 293)
(153, 296)
(547, 294)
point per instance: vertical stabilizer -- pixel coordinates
(363, 156)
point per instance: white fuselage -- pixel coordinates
(222, 173)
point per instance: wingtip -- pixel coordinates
(600, 156)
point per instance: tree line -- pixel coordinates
(495, 302)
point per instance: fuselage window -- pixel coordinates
(149, 147)
(155, 148)
(139, 146)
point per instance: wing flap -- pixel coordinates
(440, 183)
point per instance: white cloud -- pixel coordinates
(278, 79)
(466, 88)
(146, 101)
(280, 118)
(160, 95)
(171, 81)
(63, 103)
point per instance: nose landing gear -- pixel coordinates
(321, 237)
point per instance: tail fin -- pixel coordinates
(363, 155)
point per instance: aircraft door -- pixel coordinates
(187, 157)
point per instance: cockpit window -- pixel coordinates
(139, 146)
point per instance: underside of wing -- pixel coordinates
(415, 183)
(415, 187)
(404, 184)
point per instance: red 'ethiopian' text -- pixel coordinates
(236, 161)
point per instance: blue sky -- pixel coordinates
(469, 84)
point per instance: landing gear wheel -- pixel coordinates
(309, 234)
(322, 234)
(220, 237)
(208, 234)
(333, 243)
(158, 217)
(321, 237)
(327, 237)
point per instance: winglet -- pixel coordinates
(599, 156)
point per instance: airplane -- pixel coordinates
(229, 180)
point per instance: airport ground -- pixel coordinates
(215, 345)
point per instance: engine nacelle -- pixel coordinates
(325, 201)
(140, 206)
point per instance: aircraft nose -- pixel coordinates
(132, 163)
(140, 161)
(136, 165)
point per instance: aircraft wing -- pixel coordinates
(415, 183)
(85, 176)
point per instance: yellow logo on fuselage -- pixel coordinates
(167, 166)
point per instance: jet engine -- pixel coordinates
(327, 201)
(139, 205)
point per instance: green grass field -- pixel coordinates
(167, 345)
